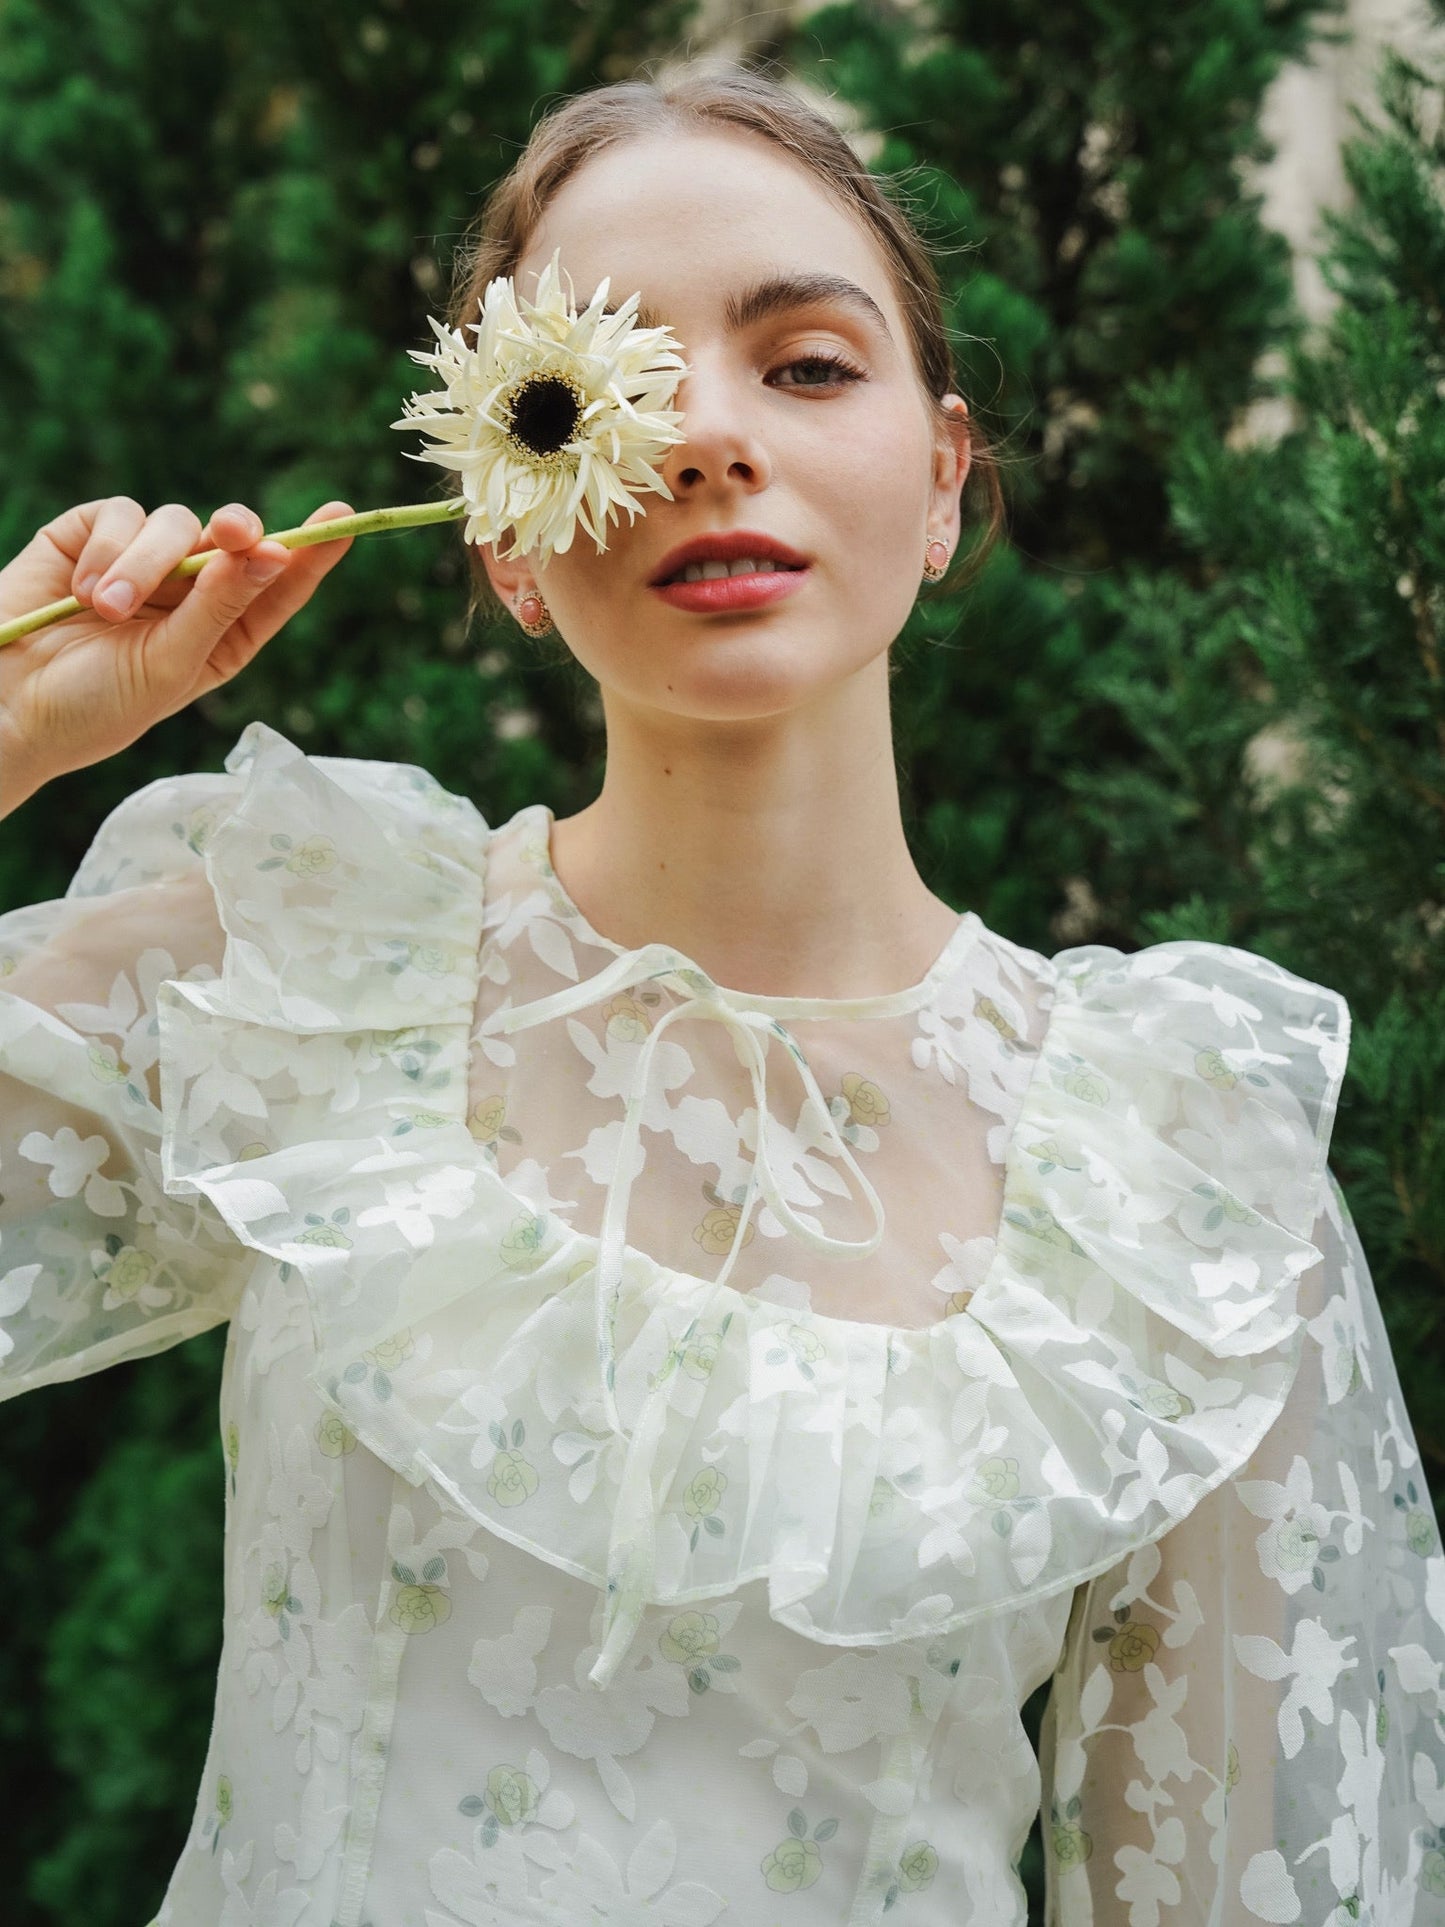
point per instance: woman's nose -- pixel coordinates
(722, 440)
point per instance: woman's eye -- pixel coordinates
(834, 371)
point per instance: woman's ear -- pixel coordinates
(952, 459)
(510, 580)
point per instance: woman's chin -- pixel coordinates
(738, 689)
(729, 668)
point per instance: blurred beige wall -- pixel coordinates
(1307, 116)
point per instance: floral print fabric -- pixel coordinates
(1248, 1712)
(669, 1432)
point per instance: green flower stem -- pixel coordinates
(411, 515)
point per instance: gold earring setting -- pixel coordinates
(935, 562)
(534, 617)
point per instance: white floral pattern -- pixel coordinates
(660, 1466)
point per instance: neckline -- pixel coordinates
(536, 851)
(1017, 1207)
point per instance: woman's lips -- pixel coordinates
(725, 593)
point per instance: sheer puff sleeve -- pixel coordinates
(1247, 1721)
(97, 1262)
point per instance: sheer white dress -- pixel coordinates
(669, 1433)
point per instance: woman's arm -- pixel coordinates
(97, 1262)
(1245, 1724)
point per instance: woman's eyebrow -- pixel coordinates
(777, 293)
(804, 288)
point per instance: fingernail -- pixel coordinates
(264, 568)
(87, 583)
(117, 598)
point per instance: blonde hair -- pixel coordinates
(731, 96)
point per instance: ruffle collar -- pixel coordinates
(1131, 1343)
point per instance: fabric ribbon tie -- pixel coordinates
(632, 1544)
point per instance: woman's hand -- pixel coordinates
(83, 689)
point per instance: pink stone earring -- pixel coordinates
(533, 615)
(935, 562)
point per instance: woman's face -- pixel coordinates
(844, 464)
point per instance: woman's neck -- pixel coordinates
(771, 853)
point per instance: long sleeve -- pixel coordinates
(1247, 1720)
(97, 1262)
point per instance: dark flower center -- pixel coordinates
(544, 415)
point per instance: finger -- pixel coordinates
(328, 554)
(167, 538)
(297, 583)
(71, 529)
(113, 525)
(212, 636)
(233, 527)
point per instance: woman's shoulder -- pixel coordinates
(1227, 1016)
(1103, 968)
(352, 794)
(1189, 1014)
(317, 814)
(1187, 1083)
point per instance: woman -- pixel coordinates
(554, 1330)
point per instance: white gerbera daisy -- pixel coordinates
(552, 417)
